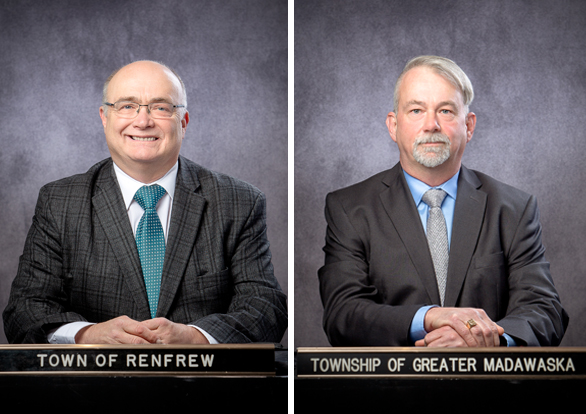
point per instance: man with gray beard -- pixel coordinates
(442, 153)
(430, 253)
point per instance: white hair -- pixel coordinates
(443, 67)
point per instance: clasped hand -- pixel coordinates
(447, 327)
(124, 330)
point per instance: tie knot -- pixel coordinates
(148, 196)
(434, 197)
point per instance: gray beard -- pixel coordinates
(431, 157)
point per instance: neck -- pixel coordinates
(433, 177)
(145, 173)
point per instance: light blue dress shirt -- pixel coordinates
(418, 188)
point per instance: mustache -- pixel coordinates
(429, 138)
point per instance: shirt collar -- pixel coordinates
(418, 187)
(129, 186)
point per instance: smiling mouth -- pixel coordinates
(135, 138)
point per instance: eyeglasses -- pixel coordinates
(127, 109)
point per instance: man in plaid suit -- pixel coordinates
(80, 278)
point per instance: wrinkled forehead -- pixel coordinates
(146, 82)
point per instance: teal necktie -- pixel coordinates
(150, 242)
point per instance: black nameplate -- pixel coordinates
(258, 359)
(425, 362)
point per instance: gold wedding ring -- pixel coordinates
(471, 324)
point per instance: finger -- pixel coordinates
(156, 323)
(140, 332)
(152, 324)
(478, 335)
(444, 337)
(485, 331)
(133, 340)
(491, 331)
(109, 332)
(422, 342)
(466, 334)
(164, 329)
(454, 318)
(161, 328)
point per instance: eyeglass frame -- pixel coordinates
(147, 105)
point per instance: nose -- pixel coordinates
(431, 123)
(143, 119)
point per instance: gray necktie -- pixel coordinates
(437, 237)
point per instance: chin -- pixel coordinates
(432, 161)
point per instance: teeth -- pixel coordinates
(143, 138)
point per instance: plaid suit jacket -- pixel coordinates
(80, 261)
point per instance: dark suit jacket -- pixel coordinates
(80, 261)
(378, 269)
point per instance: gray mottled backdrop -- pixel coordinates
(527, 62)
(55, 56)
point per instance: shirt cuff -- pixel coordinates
(65, 334)
(510, 341)
(417, 330)
(210, 338)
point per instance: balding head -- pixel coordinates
(144, 63)
(144, 145)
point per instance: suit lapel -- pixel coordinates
(400, 207)
(468, 218)
(109, 208)
(186, 215)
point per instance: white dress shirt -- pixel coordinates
(65, 334)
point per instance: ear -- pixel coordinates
(470, 125)
(392, 125)
(184, 122)
(103, 116)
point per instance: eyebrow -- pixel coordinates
(135, 99)
(451, 104)
(413, 102)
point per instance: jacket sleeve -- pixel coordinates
(535, 316)
(38, 298)
(354, 312)
(257, 309)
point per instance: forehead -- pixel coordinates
(144, 82)
(423, 84)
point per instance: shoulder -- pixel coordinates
(497, 191)
(214, 185)
(78, 185)
(368, 189)
(70, 198)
